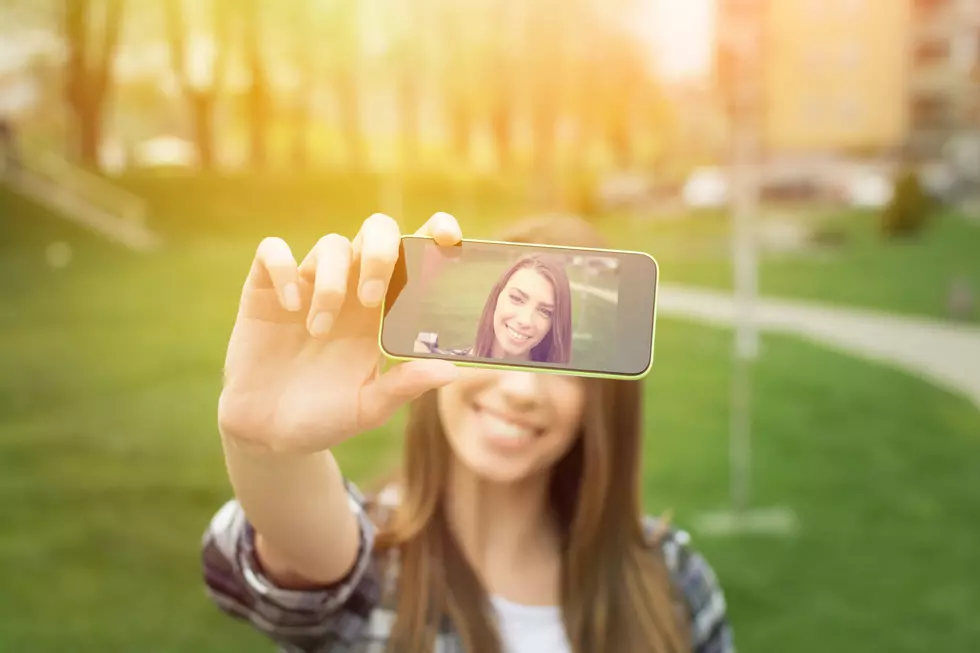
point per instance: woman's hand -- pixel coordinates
(302, 372)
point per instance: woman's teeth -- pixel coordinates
(506, 429)
(515, 335)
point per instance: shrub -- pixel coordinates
(910, 206)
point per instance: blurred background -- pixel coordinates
(806, 172)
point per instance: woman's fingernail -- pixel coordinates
(321, 324)
(372, 292)
(291, 296)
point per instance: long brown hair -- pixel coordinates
(556, 346)
(616, 592)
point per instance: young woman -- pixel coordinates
(515, 525)
(527, 315)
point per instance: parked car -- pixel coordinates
(868, 189)
(706, 188)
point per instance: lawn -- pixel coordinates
(110, 466)
(864, 269)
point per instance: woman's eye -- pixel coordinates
(545, 312)
(516, 299)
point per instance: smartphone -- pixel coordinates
(499, 305)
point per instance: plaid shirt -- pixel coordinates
(350, 616)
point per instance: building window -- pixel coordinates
(930, 111)
(813, 59)
(933, 51)
(849, 109)
(850, 55)
(812, 108)
(814, 8)
(931, 7)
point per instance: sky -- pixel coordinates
(680, 35)
(678, 32)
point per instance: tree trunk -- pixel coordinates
(620, 141)
(258, 100)
(202, 109)
(500, 128)
(350, 116)
(301, 136)
(409, 109)
(258, 95)
(544, 135)
(87, 82)
(88, 114)
(201, 101)
(460, 121)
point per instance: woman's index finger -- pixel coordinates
(443, 228)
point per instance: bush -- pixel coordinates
(909, 209)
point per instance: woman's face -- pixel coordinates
(522, 317)
(506, 426)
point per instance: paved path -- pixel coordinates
(946, 354)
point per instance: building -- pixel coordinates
(835, 75)
(944, 84)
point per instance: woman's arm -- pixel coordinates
(307, 534)
(698, 584)
(317, 619)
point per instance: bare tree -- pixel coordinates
(202, 95)
(258, 93)
(407, 59)
(502, 67)
(302, 20)
(342, 34)
(456, 75)
(89, 72)
(546, 23)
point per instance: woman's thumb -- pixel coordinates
(384, 395)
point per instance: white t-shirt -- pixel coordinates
(530, 628)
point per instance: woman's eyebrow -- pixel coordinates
(524, 295)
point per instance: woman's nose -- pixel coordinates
(519, 388)
(525, 315)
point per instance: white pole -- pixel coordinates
(745, 206)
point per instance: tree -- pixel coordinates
(502, 70)
(89, 72)
(454, 27)
(908, 211)
(408, 62)
(201, 87)
(302, 20)
(546, 27)
(341, 33)
(258, 93)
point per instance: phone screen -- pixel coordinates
(509, 305)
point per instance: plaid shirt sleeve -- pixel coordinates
(322, 620)
(702, 593)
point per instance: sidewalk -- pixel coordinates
(946, 354)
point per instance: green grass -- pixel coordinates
(110, 466)
(864, 270)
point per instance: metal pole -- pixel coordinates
(745, 206)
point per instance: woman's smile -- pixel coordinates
(505, 429)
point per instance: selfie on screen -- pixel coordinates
(542, 307)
